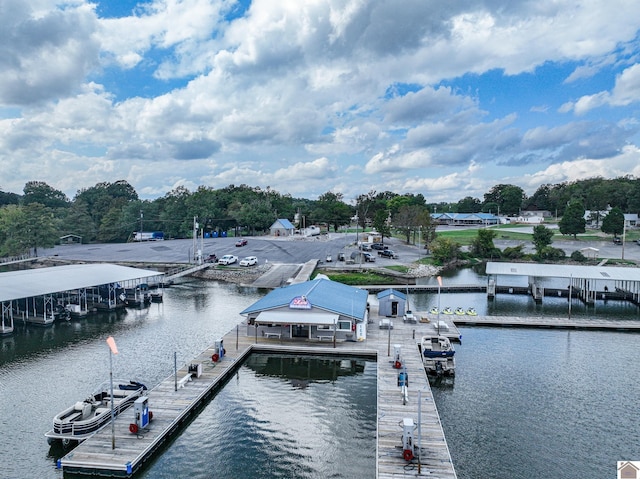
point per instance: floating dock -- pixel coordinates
(173, 408)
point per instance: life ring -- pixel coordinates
(215, 357)
(407, 454)
(133, 428)
(353, 327)
(397, 365)
(224, 351)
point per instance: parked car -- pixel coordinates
(241, 242)
(368, 257)
(387, 253)
(228, 259)
(212, 258)
(329, 258)
(249, 261)
(378, 246)
(365, 247)
(341, 257)
(617, 240)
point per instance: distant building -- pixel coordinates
(71, 239)
(594, 218)
(282, 227)
(465, 219)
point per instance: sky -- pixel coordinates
(445, 99)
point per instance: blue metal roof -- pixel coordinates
(286, 224)
(388, 292)
(321, 293)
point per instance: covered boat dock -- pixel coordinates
(587, 283)
(36, 295)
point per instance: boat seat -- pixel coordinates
(72, 417)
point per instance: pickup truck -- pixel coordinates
(228, 259)
(387, 253)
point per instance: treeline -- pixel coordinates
(111, 212)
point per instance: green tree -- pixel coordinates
(40, 192)
(509, 198)
(381, 224)
(469, 205)
(445, 250)
(27, 227)
(613, 223)
(408, 219)
(482, 245)
(542, 237)
(331, 209)
(572, 221)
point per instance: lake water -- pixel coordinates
(524, 403)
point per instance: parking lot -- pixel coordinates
(290, 250)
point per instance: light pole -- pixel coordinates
(439, 286)
(113, 349)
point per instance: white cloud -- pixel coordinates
(357, 94)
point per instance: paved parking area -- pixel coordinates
(290, 251)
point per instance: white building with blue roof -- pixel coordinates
(314, 310)
(391, 303)
(282, 227)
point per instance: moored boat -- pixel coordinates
(472, 312)
(438, 355)
(434, 310)
(460, 311)
(85, 418)
(447, 310)
(437, 347)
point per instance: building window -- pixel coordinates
(344, 325)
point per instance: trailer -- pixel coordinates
(148, 236)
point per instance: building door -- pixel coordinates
(394, 308)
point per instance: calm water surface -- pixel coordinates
(542, 403)
(524, 404)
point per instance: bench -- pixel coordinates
(183, 381)
(273, 335)
(328, 338)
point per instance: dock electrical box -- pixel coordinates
(219, 348)
(141, 412)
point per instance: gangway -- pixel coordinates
(171, 275)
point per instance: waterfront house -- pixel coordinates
(320, 309)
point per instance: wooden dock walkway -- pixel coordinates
(550, 322)
(173, 409)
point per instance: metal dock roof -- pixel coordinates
(564, 271)
(37, 282)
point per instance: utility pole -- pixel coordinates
(141, 216)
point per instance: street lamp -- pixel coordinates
(113, 349)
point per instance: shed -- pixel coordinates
(282, 227)
(71, 239)
(391, 303)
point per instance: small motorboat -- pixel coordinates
(85, 418)
(434, 311)
(447, 310)
(472, 312)
(436, 347)
(460, 312)
(438, 355)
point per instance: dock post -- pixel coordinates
(175, 370)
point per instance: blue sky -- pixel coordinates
(438, 98)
